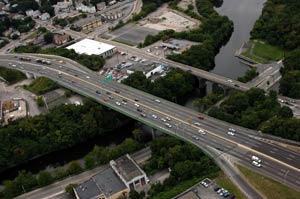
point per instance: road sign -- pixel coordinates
(107, 79)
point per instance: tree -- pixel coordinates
(137, 134)
(44, 178)
(70, 189)
(74, 168)
(40, 101)
(286, 112)
(133, 194)
(48, 37)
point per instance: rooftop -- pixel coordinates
(90, 47)
(127, 168)
(188, 195)
(106, 183)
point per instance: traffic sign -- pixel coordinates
(107, 79)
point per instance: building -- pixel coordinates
(60, 39)
(117, 180)
(105, 185)
(62, 6)
(92, 47)
(84, 8)
(129, 172)
(88, 24)
(100, 6)
(33, 14)
(45, 16)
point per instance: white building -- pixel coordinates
(33, 14)
(158, 69)
(45, 16)
(129, 172)
(84, 8)
(92, 47)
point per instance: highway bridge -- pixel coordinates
(209, 133)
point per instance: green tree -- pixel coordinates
(48, 37)
(286, 112)
(69, 189)
(40, 101)
(44, 178)
(137, 134)
(74, 168)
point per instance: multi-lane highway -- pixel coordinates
(277, 162)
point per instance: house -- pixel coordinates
(60, 39)
(62, 7)
(87, 24)
(34, 14)
(45, 16)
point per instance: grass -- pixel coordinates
(223, 181)
(267, 51)
(41, 85)
(11, 76)
(268, 187)
(254, 58)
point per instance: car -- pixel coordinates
(137, 105)
(204, 184)
(76, 75)
(195, 137)
(167, 118)
(106, 99)
(256, 164)
(136, 100)
(143, 115)
(216, 188)
(118, 103)
(139, 110)
(110, 97)
(157, 100)
(255, 158)
(202, 131)
(14, 65)
(154, 116)
(108, 93)
(98, 92)
(163, 119)
(220, 190)
(236, 85)
(229, 80)
(232, 130)
(197, 124)
(168, 125)
(88, 77)
(117, 91)
(200, 117)
(123, 102)
(230, 133)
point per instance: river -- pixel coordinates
(243, 13)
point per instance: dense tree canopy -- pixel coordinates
(176, 86)
(279, 24)
(62, 127)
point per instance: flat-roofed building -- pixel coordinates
(92, 47)
(104, 185)
(129, 172)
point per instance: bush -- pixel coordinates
(11, 76)
(74, 168)
(41, 85)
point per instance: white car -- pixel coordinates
(88, 77)
(168, 125)
(118, 103)
(169, 119)
(256, 164)
(232, 130)
(255, 158)
(202, 131)
(123, 102)
(195, 137)
(230, 133)
(197, 124)
(157, 100)
(14, 65)
(163, 119)
(154, 116)
(229, 80)
(137, 105)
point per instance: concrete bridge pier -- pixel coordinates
(30, 75)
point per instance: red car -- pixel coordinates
(106, 99)
(200, 117)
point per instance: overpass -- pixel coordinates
(277, 162)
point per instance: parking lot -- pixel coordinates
(206, 189)
(122, 64)
(130, 34)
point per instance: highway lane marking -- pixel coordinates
(177, 119)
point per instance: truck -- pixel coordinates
(112, 3)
